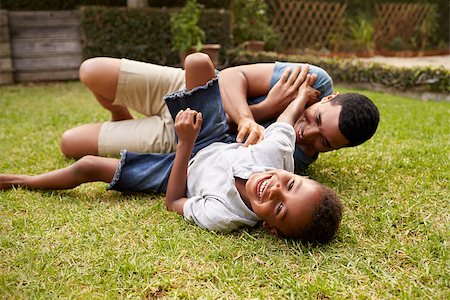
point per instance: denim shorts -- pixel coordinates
(149, 172)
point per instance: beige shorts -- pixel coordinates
(141, 88)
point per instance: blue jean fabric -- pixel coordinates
(149, 172)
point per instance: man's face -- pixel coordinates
(317, 130)
(285, 201)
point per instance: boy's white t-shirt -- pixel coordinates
(214, 202)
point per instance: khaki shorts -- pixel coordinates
(141, 88)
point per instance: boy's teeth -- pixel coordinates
(262, 187)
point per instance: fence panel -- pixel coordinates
(305, 24)
(46, 45)
(399, 21)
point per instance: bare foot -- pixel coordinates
(7, 181)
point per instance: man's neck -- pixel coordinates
(240, 185)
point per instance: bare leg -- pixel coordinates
(199, 70)
(87, 169)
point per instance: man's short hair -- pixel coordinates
(358, 119)
(325, 219)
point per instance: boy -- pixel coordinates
(229, 185)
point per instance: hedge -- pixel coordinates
(143, 34)
(433, 79)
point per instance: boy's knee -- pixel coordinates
(198, 60)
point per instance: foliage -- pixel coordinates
(88, 243)
(349, 70)
(361, 34)
(140, 34)
(143, 34)
(184, 27)
(250, 21)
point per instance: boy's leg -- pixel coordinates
(87, 169)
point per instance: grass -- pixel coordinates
(90, 243)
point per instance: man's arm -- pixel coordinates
(242, 82)
(237, 84)
(187, 126)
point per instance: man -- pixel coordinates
(251, 94)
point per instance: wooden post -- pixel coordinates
(6, 69)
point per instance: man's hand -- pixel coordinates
(306, 94)
(251, 131)
(187, 125)
(286, 89)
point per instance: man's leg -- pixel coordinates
(131, 85)
(87, 169)
(199, 70)
(100, 75)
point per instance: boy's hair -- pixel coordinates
(325, 219)
(358, 119)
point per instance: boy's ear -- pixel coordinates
(270, 229)
(329, 97)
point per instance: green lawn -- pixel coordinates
(90, 243)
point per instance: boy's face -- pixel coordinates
(285, 201)
(317, 130)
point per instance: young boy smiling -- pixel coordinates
(217, 185)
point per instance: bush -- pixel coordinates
(143, 34)
(352, 71)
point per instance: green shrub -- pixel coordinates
(184, 27)
(250, 21)
(143, 34)
(352, 71)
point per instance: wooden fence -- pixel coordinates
(306, 24)
(400, 21)
(45, 45)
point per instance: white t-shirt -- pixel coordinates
(214, 202)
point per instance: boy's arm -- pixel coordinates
(187, 126)
(306, 96)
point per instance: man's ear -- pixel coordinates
(270, 229)
(329, 97)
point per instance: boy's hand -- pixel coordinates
(306, 92)
(187, 125)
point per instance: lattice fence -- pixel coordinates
(398, 21)
(305, 24)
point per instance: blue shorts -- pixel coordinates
(149, 172)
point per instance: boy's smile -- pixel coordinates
(317, 130)
(285, 201)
